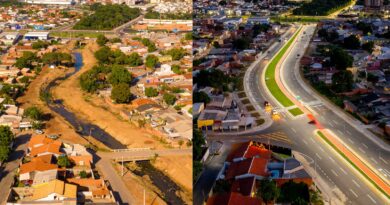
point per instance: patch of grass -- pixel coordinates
(260, 122)
(241, 95)
(250, 108)
(270, 75)
(256, 115)
(303, 19)
(296, 111)
(67, 34)
(245, 101)
(350, 162)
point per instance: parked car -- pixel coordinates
(39, 132)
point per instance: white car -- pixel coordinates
(39, 132)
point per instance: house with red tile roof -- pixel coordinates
(253, 167)
(37, 165)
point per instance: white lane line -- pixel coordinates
(349, 132)
(349, 139)
(383, 160)
(335, 122)
(304, 141)
(340, 132)
(331, 159)
(354, 193)
(362, 150)
(356, 183)
(334, 172)
(343, 170)
(372, 199)
(293, 130)
(312, 140)
(322, 150)
(319, 157)
(376, 162)
(330, 124)
(365, 145)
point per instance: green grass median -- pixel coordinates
(271, 82)
(350, 162)
(296, 111)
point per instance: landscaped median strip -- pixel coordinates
(271, 83)
(357, 164)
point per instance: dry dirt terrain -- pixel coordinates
(179, 169)
(75, 100)
(56, 124)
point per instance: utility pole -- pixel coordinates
(122, 166)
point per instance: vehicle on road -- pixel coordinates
(39, 132)
(312, 120)
(274, 112)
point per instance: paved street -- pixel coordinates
(331, 167)
(343, 183)
(7, 171)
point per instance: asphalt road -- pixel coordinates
(330, 166)
(7, 171)
(343, 184)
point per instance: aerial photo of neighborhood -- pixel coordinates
(195, 102)
(291, 102)
(96, 102)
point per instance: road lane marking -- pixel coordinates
(319, 157)
(313, 140)
(334, 172)
(343, 170)
(349, 132)
(340, 132)
(353, 193)
(321, 149)
(293, 130)
(351, 141)
(334, 121)
(383, 160)
(330, 124)
(362, 150)
(374, 160)
(304, 141)
(365, 145)
(331, 159)
(372, 199)
(355, 183)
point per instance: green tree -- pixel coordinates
(352, 42)
(198, 142)
(188, 36)
(134, 59)
(56, 58)
(64, 161)
(369, 46)
(101, 40)
(151, 61)
(268, 191)
(33, 113)
(151, 92)
(26, 60)
(342, 81)
(121, 93)
(6, 137)
(169, 99)
(296, 193)
(176, 53)
(176, 69)
(83, 174)
(119, 74)
(40, 44)
(103, 54)
(340, 58)
(201, 97)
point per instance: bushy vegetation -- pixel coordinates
(121, 93)
(176, 53)
(57, 58)
(320, 7)
(107, 56)
(147, 42)
(6, 138)
(106, 17)
(171, 16)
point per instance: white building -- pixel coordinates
(55, 2)
(36, 36)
